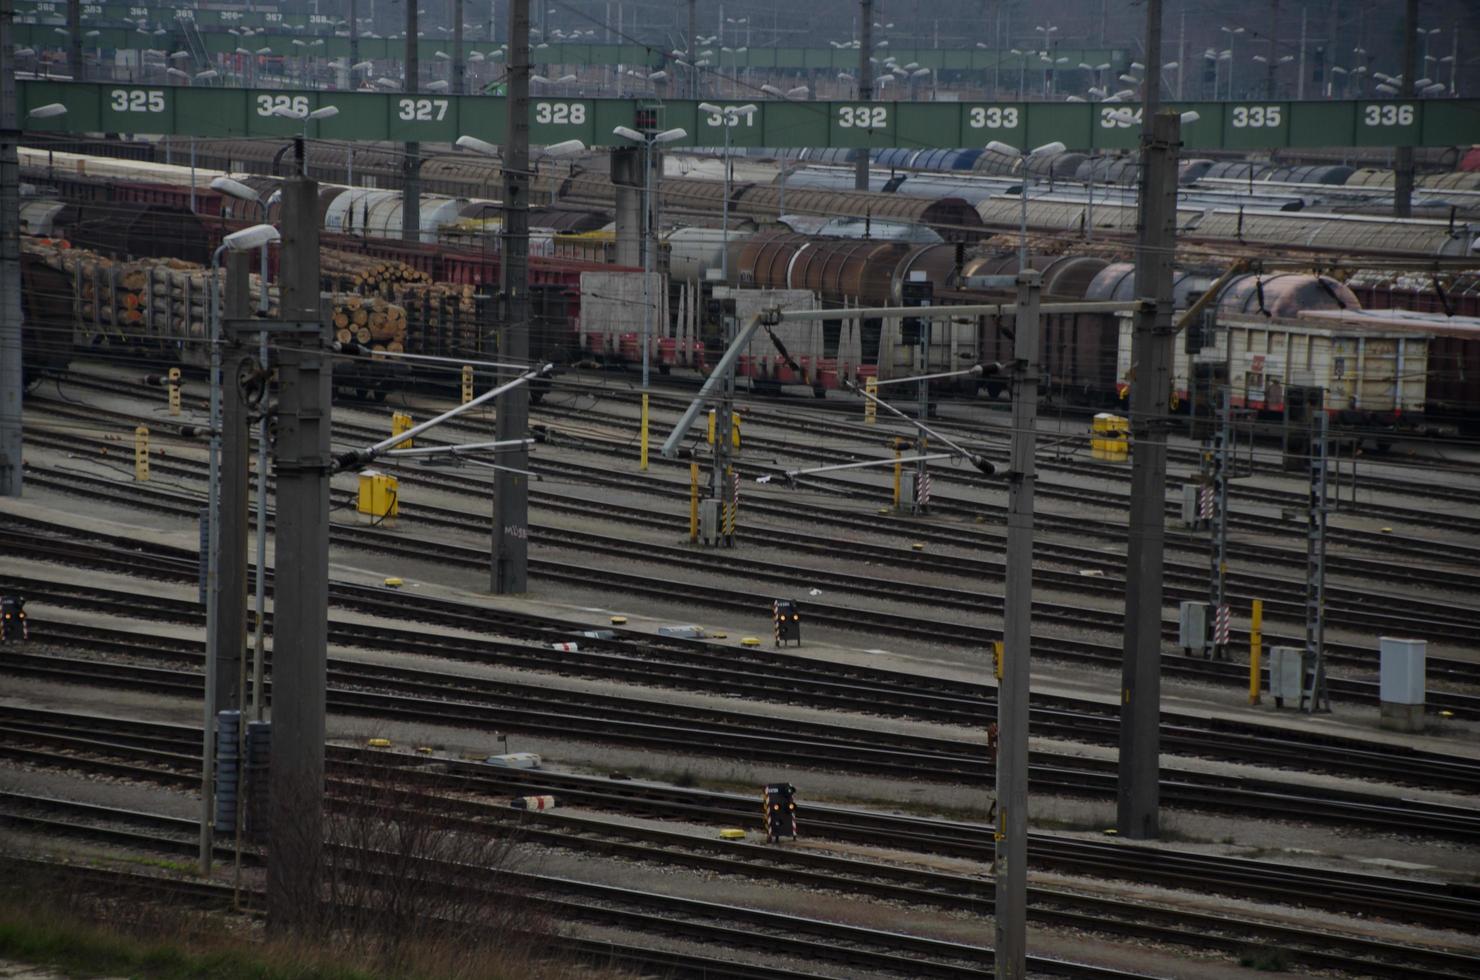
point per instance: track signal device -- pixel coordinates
(787, 621)
(781, 811)
(13, 619)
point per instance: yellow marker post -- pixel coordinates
(731, 506)
(467, 383)
(141, 454)
(1256, 647)
(401, 422)
(870, 407)
(643, 463)
(174, 386)
(997, 656)
(693, 502)
(898, 473)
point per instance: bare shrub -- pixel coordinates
(407, 865)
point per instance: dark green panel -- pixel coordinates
(127, 108)
(982, 122)
(1320, 124)
(435, 118)
(929, 125)
(611, 113)
(83, 107)
(1067, 121)
(861, 124)
(1389, 123)
(557, 120)
(1250, 125)
(208, 112)
(1109, 128)
(423, 118)
(484, 118)
(359, 112)
(1451, 122)
(749, 128)
(796, 124)
(1207, 131)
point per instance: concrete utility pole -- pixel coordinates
(1151, 352)
(865, 81)
(301, 604)
(459, 67)
(74, 40)
(1010, 858)
(510, 571)
(11, 377)
(411, 177)
(1403, 159)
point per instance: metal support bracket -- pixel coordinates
(251, 326)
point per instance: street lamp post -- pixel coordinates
(647, 142)
(242, 192)
(240, 241)
(730, 115)
(1232, 32)
(299, 115)
(1007, 149)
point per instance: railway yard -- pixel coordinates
(1315, 844)
(624, 514)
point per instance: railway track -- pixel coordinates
(1413, 617)
(993, 423)
(1379, 567)
(777, 677)
(1431, 620)
(732, 599)
(413, 695)
(1051, 906)
(974, 436)
(1359, 608)
(650, 913)
(1427, 903)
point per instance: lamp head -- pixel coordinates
(233, 188)
(249, 238)
(476, 145)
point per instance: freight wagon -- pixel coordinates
(1374, 377)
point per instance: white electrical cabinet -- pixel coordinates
(1192, 627)
(1286, 673)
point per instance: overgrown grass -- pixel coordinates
(49, 926)
(1266, 959)
(52, 937)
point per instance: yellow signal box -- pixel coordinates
(379, 496)
(734, 428)
(141, 454)
(401, 422)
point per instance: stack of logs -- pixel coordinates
(153, 302)
(371, 322)
(426, 317)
